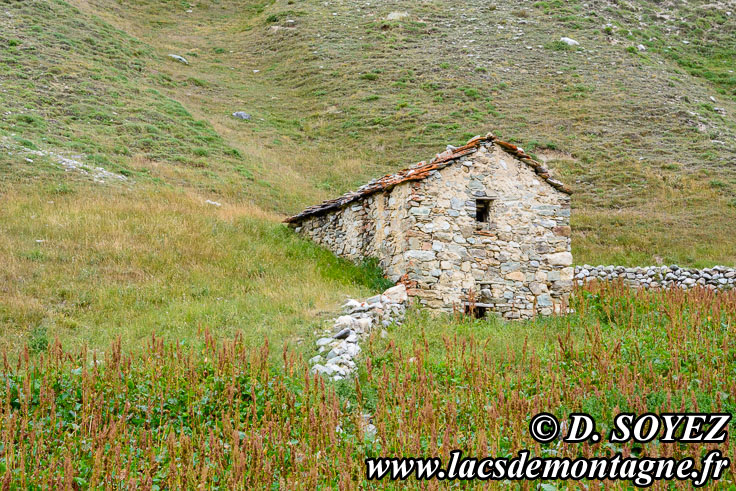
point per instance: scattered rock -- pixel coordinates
(178, 58)
(344, 321)
(366, 423)
(397, 15)
(242, 115)
(372, 300)
(641, 47)
(364, 324)
(321, 369)
(213, 203)
(352, 304)
(370, 432)
(324, 341)
(396, 294)
(98, 174)
(569, 41)
(352, 350)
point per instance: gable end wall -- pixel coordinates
(518, 264)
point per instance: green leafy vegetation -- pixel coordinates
(93, 81)
(223, 416)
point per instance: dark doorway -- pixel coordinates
(475, 310)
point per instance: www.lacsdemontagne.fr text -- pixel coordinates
(642, 471)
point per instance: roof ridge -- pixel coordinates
(423, 169)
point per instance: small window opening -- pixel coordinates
(482, 210)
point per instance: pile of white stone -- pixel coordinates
(717, 277)
(341, 344)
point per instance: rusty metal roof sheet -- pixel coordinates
(423, 170)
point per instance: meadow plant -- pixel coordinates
(228, 416)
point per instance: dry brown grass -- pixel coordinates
(124, 262)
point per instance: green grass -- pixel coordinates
(76, 85)
(157, 282)
(218, 414)
(91, 267)
(93, 81)
(144, 256)
(354, 109)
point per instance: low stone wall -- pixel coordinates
(340, 345)
(717, 277)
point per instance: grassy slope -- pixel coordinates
(75, 85)
(635, 133)
(93, 265)
(335, 101)
(90, 262)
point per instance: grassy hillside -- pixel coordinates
(647, 138)
(170, 242)
(338, 94)
(91, 267)
(140, 225)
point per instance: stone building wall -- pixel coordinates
(373, 227)
(392, 229)
(348, 232)
(518, 263)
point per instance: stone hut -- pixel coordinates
(482, 227)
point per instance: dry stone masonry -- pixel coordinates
(481, 225)
(717, 277)
(338, 348)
